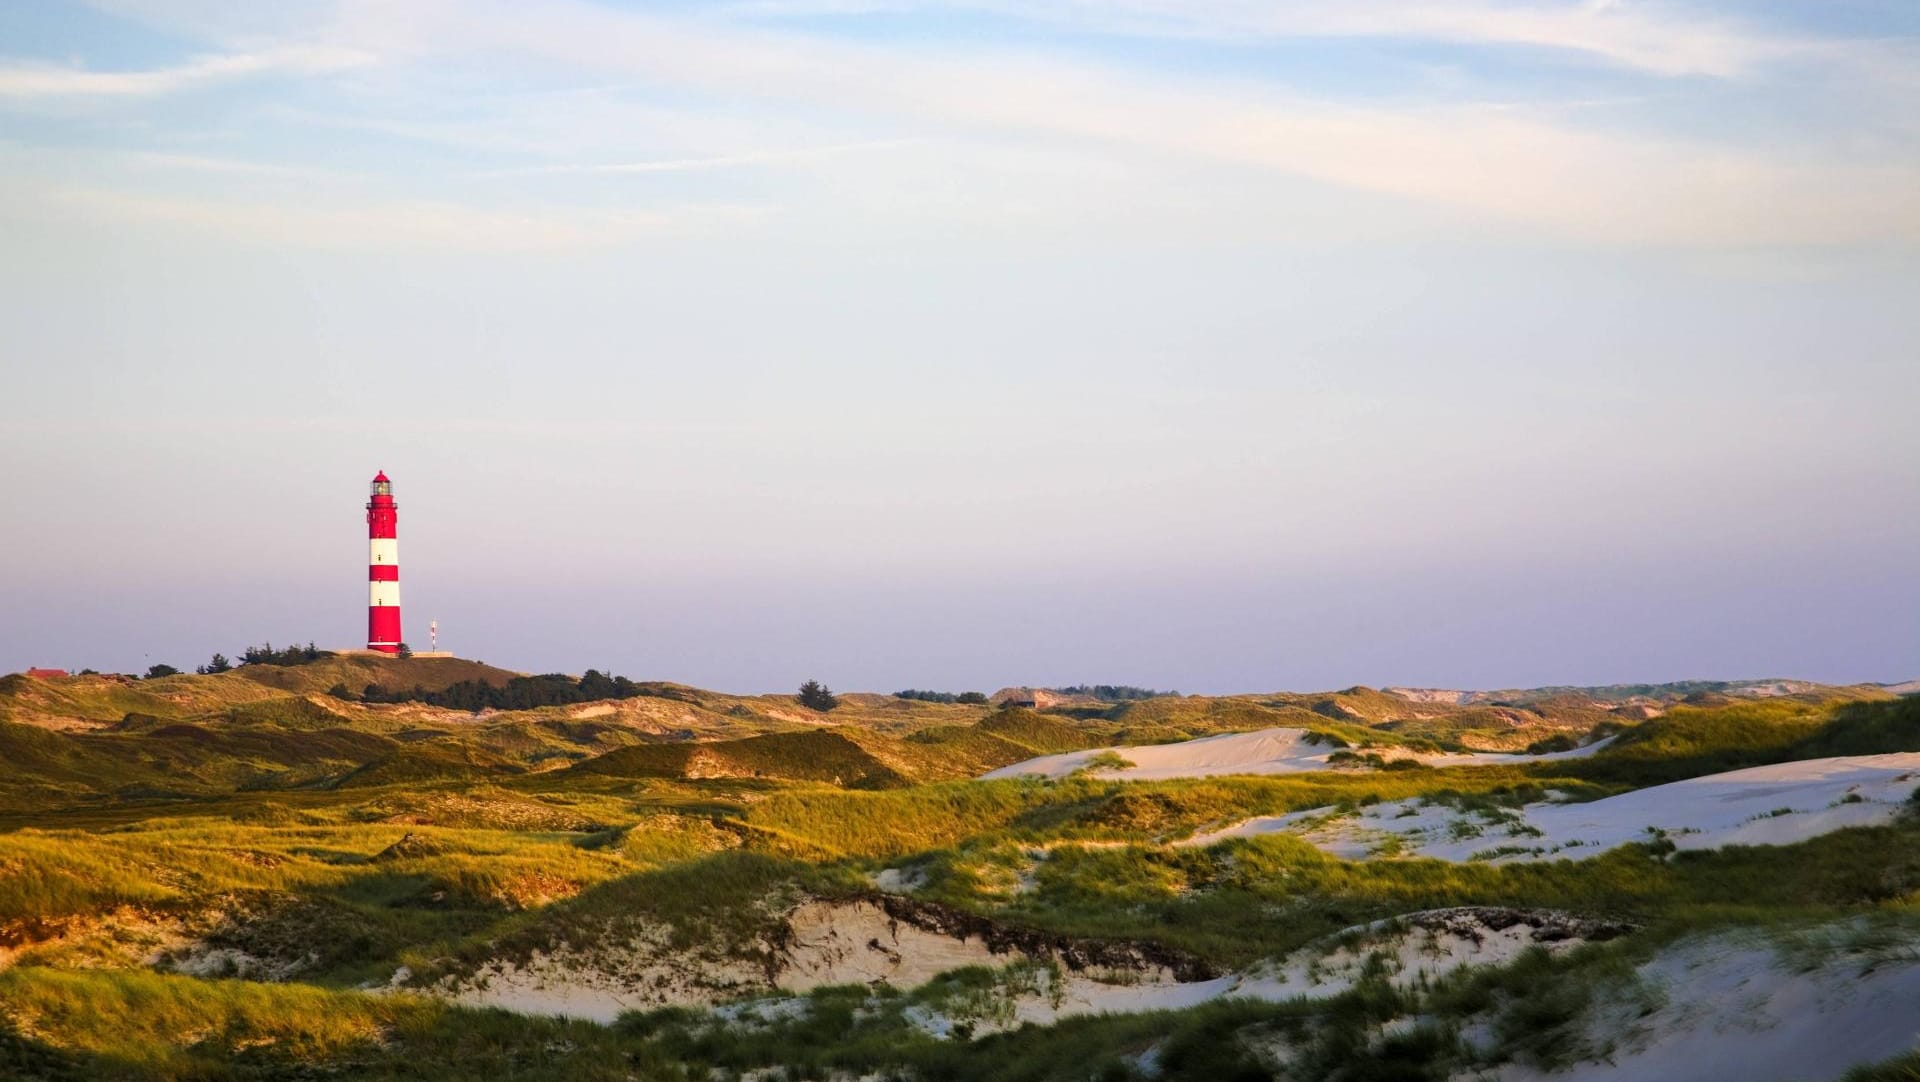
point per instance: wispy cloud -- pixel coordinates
(1557, 171)
(26, 80)
(1531, 168)
(717, 161)
(1650, 38)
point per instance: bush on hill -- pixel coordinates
(815, 695)
(519, 693)
(965, 698)
(265, 654)
(154, 672)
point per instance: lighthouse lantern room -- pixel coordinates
(383, 568)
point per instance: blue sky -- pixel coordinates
(1209, 344)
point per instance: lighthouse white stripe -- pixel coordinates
(383, 593)
(383, 550)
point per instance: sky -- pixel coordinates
(1212, 345)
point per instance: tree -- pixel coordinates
(971, 698)
(815, 696)
(598, 685)
(218, 664)
(157, 671)
(341, 691)
(265, 654)
(405, 650)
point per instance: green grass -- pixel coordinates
(287, 827)
(1693, 741)
(146, 1023)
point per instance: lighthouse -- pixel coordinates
(383, 568)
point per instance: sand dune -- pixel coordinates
(1728, 1008)
(1266, 751)
(1764, 805)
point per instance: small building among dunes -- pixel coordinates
(1031, 698)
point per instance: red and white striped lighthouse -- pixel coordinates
(383, 568)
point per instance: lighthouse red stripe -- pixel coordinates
(383, 568)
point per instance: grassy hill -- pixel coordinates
(199, 874)
(853, 757)
(103, 737)
(356, 671)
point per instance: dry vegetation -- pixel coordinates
(203, 876)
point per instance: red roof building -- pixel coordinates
(46, 674)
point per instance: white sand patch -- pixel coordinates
(1778, 804)
(1265, 751)
(899, 880)
(1730, 1009)
(601, 984)
(201, 960)
(549, 986)
(838, 943)
(835, 943)
(1268, 751)
(826, 943)
(1415, 948)
(1412, 949)
(1431, 695)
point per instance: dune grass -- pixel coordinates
(387, 839)
(152, 1023)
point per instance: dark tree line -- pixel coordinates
(519, 693)
(265, 654)
(970, 698)
(1112, 693)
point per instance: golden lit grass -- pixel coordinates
(109, 698)
(55, 874)
(901, 822)
(167, 1025)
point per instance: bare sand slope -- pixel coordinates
(832, 943)
(1721, 1008)
(1764, 805)
(1265, 751)
(1764, 1007)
